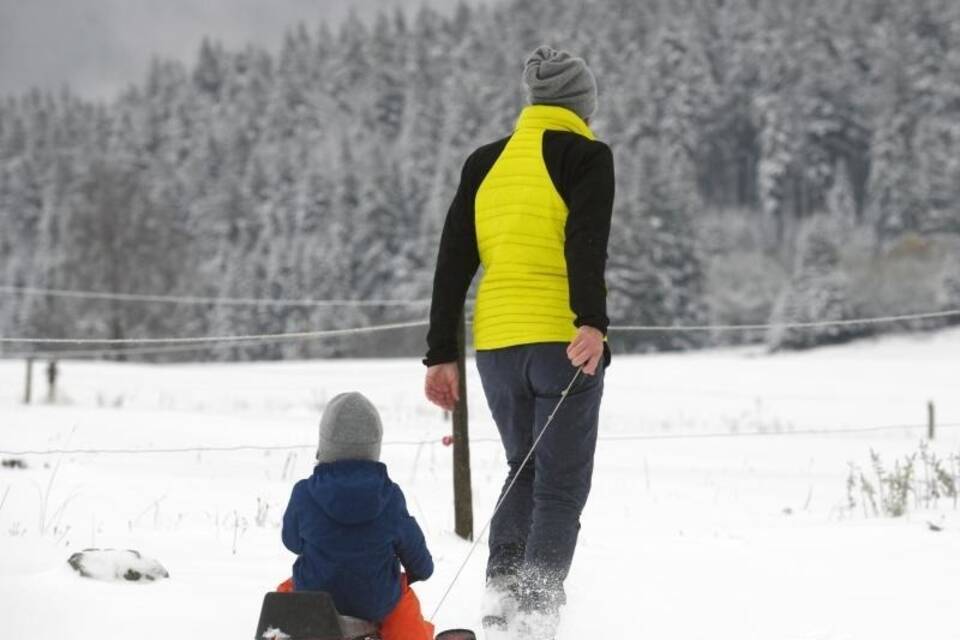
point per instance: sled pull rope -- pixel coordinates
(476, 542)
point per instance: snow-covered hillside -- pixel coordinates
(731, 537)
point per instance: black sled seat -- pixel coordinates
(311, 615)
(308, 615)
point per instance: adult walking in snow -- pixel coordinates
(534, 209)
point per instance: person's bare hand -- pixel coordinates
(586, 349)
(442, 385)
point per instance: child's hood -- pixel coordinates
(351, 491)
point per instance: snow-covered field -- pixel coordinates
(706, 537)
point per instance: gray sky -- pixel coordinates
(99, 46)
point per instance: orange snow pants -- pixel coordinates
(405, 622)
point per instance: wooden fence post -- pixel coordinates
(462, 490)
(28, 386)
(931, 420)
(52, 372)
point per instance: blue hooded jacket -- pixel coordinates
(349, 525)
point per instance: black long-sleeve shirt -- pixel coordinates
(582, 172)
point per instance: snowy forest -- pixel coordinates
(777, 161)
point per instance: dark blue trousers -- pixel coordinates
(534, 534)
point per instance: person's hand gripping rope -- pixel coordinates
(586, 349)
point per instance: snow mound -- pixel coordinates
(274, 634)
(117, 565)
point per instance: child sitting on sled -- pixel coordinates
(349, 526)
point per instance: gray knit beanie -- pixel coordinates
(557, 78)
(350, 429)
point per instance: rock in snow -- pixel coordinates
(116, 565)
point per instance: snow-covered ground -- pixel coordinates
(705, 537)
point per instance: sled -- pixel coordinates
(311, 615)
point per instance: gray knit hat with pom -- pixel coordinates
(350, 429)
(557, 78)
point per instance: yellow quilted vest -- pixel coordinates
(524, 294)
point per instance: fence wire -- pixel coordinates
(308, 335)
(952, 313)
(250, 338)
(208, 300)
(639, 437)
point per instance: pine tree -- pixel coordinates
(655, 276)
(209, 72)
(948, 290)
(895, 207)
(818, 291)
